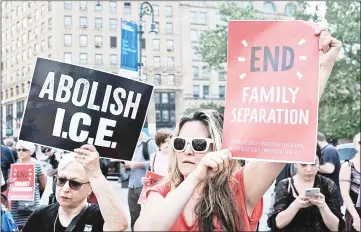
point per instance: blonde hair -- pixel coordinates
(355, 138)
(217, 200)
(26, 145)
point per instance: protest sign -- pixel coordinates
(154, 178)
(22, 186)
(272, 91)
(69, 106)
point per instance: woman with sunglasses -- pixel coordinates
(350, 188)
(21, 213)
(78, 175)
(206, 190)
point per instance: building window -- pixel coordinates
(83, 40)
(23, 88)
(157, 79)
(205, 73)
(194, 35)
(113, 41)
(83, 5)
(37, 15)
(30, 54)
(67, 4)
(202, 18)
(98, 5)
(98, 23)
(205, 91)
(194, 17)
(67, 57)
(19, 109)
(42, 45)
(98, 59)
(42, 10)
(83, 22)
(67, 21)
(29, 35)
(113, 59)
(50, 22)
(269, 7)
(172, 98)
(67, 40)
(83, 58)
(169, 11)
(195, 71)
(50, 7)
(42, 28)
(156, 44)
(113, 6)
(156, 27)
(171, 79)
(50, 42)
(221, 74)
(157, 116)
(144, 61)
(170, 45)
(157, 98)
(165, 115)
(196, 91)
(290, 9)
(113, 24)
(156, 9)
(98, 41)
(36, 49)
(127, 8)
(165, 99)
(169, 28)
(23, 71)
(156, 61)
(170, 62)
(222, 92)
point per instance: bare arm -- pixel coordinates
(42, 181)
(174, 202)
(327, 168)
(266, 174)
(112, 209)
(330, 220)
(285, 217)
(345, 184)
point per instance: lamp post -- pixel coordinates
(145, 9)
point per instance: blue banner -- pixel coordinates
(129, 45)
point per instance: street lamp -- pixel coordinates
(145, 9)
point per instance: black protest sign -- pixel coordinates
(69, 106)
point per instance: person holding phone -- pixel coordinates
(350, 188)
(307, 202)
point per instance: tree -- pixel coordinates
(339, 110)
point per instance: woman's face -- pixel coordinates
(308, 171)
(66, 196)
(188, 159)
(164, 146)
(23, 153)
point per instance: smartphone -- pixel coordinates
(312, 192)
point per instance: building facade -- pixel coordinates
(87, 33)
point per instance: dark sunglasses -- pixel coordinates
(74, 185)
(22, 150)
(199, 145)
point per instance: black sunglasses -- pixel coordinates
(74, 185)
(22, 150)
(199, 145)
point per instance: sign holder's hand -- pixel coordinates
(88, 156)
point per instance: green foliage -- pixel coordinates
(339, 111)
(211, 105)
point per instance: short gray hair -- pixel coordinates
(9, 142)
(27, 145)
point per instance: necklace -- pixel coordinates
(57, 216)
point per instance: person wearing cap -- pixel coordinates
(20, 213)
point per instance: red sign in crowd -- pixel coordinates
(22, 187)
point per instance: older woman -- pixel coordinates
(18, 208)
(294, 211)
(205, 189)
(78, 175)
(350, 188)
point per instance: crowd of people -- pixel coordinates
(203, 189)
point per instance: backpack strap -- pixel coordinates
(145, 150)
(75, 220)
(155, 155)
